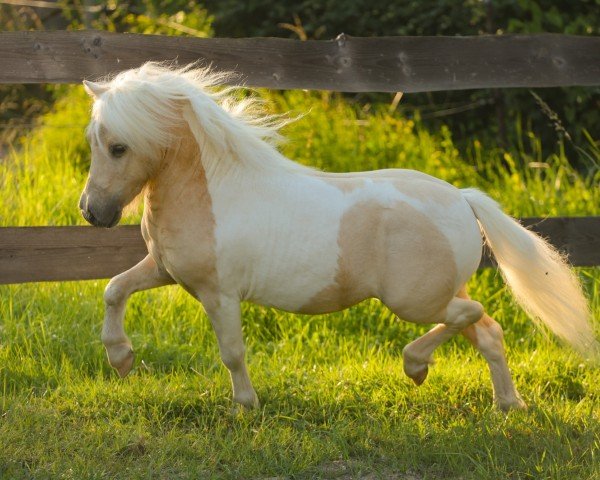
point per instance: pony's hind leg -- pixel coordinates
(143, 276)
(483, 332)
(486, 335)
(458, 315)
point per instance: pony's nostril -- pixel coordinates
(88, 215)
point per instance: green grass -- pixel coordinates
(335, 402)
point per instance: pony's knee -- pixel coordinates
(232, 356)
(115, 292)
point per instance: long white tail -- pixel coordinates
(539, 277)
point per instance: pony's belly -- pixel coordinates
(307, 293)
(293, 285)
(332, 299)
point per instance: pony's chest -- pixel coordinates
(185, 250)
(151, 235)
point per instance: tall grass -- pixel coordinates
(335, 401)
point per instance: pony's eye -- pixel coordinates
(117, 150)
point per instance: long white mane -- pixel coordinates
(143, 107)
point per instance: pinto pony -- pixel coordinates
(230, 219)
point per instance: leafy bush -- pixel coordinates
(408, 17)
(491, 115)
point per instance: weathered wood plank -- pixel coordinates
(578, 237)
(350, 64)
(34, 254)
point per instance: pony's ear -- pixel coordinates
(94, 89)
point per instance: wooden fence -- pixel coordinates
(388, 64)
(348, 64)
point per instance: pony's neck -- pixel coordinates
(180, 178)
(192, 169)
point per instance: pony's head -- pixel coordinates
(135, 119)
(119, 167)
(141, 113)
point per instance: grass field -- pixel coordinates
(335, 402)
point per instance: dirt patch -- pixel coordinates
(349, 470)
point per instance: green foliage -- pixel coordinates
(332, 135)
(487, 114)
(175, 18)
(531, 16)
(20, 105)
(165, 17)
(42, 177)
(337, 136)
(410, 17)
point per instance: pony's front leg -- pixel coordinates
(143, 276)
(225, 317)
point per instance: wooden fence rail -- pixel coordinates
(34, 254)
(348, 64)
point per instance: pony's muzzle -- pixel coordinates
(105, 215)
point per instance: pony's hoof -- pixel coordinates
(414, 367)
(125, 367)
(121, 358)
(246, 402)
(512, 404)
(420, 376)
(239, 409)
